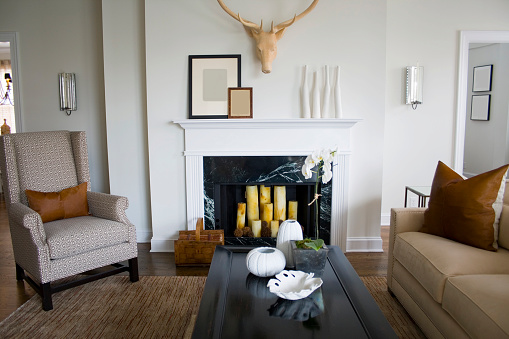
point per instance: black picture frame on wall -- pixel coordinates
(482, 78)
(480, 107)
(210, 76)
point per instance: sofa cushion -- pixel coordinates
(503, 233)
(480, 304)
(68, 237)
(432, 259)
(466, 210)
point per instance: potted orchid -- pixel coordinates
(310, 254)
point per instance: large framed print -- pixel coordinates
(482, 78)
(210, 76)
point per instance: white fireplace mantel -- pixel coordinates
(268, 137)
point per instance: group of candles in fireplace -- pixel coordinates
(263, 216)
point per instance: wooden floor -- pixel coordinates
(13, 293)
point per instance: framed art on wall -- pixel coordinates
(482, 78)
(210, 76)
(480, 107)
(240, 102)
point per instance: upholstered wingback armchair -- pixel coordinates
(57, 161)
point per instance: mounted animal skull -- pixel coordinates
(266, 42)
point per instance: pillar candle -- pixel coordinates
(268, 212)
(274, 228)
(241, 214)
(279, 203)
(292, 210)
(253, 211)
(256, 227)
(264, 199)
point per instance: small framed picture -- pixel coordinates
(480, 107)
(240, 102)
(482, 78)
(209, 79)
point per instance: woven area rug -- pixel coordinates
(154, 307)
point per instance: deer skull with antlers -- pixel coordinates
(266, 42)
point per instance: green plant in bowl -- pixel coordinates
(308, 243)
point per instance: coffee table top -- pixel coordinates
(237, 304)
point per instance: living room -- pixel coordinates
(130, 58)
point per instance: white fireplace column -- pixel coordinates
(253, 137)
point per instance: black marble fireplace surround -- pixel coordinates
(225, 178)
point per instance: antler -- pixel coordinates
(289, 22)
(237, 17)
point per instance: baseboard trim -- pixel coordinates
(364, 244)
(166, 245)
(385, 220)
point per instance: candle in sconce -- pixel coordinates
(256, 227)
(241, 215)
(292, 210)
(268, 212)
(253, 211)
(280, 203)
(274, 228)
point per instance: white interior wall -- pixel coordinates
(486, 141)
(62, 36)
(126, 113)
(175, 30)
(427, 32)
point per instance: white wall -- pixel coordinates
(486, 141)
(427, 32)
(350, 34)
(61, 36)
(126, 113)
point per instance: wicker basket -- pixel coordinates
(197, 247)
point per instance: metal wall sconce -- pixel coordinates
(414, 77)
(67, 83)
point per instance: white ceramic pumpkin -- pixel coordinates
(288, 230)
(265, 261)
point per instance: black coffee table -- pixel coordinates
(236, 304)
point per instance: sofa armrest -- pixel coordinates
(23, 218)
(108, 206)
(402, 220)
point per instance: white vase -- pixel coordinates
(337, 96)
(288, 230)
(315, 111)
(265, 261)
(304, 95)
(326, 95)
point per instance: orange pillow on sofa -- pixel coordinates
(462, 210)
(68, 203)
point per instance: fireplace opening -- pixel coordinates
(227, 196)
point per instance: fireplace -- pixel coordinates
(225, 182)
(207, 139)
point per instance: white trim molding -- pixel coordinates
(364, 244)
(278, 137)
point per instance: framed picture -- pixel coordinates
(240, 102)
(480, 107)
(209, 79)
(482, 78)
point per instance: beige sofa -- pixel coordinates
(451, 290)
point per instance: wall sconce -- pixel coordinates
(67, 83)
(6, 96)
(414, 76)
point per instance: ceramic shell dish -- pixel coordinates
(294, 285)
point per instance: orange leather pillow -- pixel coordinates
(68, 203)
(462, 210)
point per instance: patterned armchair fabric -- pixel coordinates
(51, 162)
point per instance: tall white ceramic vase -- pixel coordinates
(337, 95)
(326, 95)
(289, 230)
(315, 111)
(304, 95)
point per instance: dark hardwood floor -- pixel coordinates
(14, 293)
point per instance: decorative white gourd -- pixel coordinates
(288, 230)
(265, 261)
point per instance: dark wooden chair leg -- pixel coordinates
(133, 270)
(47, 303)
(20, 273)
